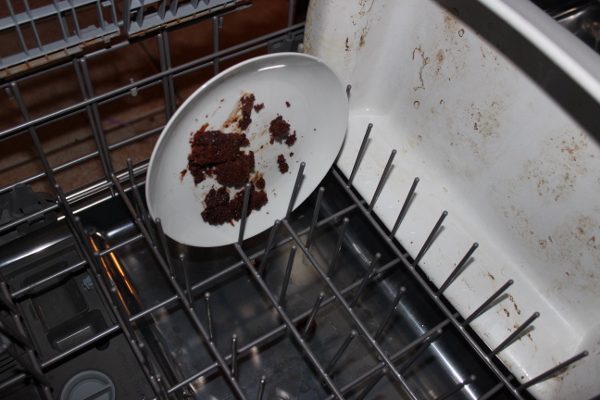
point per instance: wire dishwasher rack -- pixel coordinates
(97, 303)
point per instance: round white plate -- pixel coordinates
(318, 112)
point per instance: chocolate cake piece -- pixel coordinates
(282, 163)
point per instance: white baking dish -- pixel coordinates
(503, 140)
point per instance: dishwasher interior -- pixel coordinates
(98, 304)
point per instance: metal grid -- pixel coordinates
(298, 326)
(88, 24)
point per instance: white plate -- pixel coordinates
(318, 112)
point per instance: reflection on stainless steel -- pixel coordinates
(581, 18)
(584, 22)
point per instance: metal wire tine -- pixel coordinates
(289, 323)
(286, 277)
(261, 388)
(126, 15)
(390, 313)
(14, 88)
(209, 321)
(36, 35)
(61, 20)
(174, 6)
(404, 209)
(269, 246)
(458, 387)
(139, 18)
(482, 308)
(340, 298)
(383, 179)
(553, 371)
(247, 190)
(92, 257)
(234, 356)
(369, 374)
(17, 27)
(83, 76)
(360, 155)
(75, 19)
(25, 364)
(193, 317)
(215, 44)
(313, 314)
(515, 335)
(296, 190)
(348, 90)
(338, 247)
(291, 12)
(167, 81)
(35, 369)
(338, 354)
(186, 278)
(136, 193)
(383, 234)
(100, 16)
(430, 238)
(113, 13)
(315, 217)
(163, 242)
(366, 279)
(15, 335)
(458, 269)
(420, 350)
(490, 393)
(371, 385)
(6, 299)
(162, 8)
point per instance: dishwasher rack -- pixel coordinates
(296, 237)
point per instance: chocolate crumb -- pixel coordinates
(287, 104)
(235, 172)
(291, 139)
(246, 104)
(259, 181)
(279, 129)
(221, 208)
(292, 154)
(219, 155)
(283, 165)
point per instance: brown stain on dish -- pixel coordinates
(554, 174)
(362, 40)
(515, 306)
(424, 61)
(486, 120)
(440, 56)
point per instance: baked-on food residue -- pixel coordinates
(246, 104)
(279, 129)
(223, 156)
(291, 139)
(283, 165)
